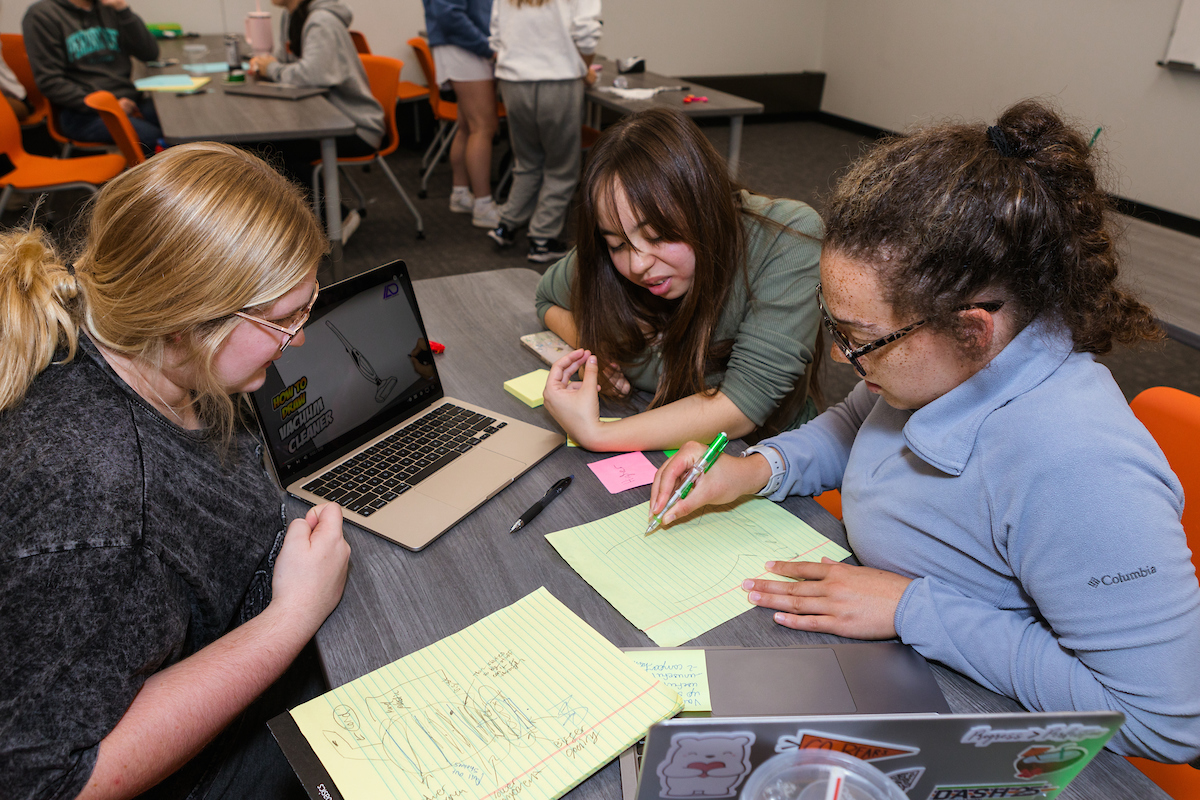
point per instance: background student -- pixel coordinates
(1014, 520)
(314, 48)
(685, 286)
(543, 52)
(462, 57)
(77, 47)
(151, 591)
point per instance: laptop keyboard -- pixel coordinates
(393, 465)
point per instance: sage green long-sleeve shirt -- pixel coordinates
(774, 327)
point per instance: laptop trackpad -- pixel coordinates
(470, 479)
(751, 682)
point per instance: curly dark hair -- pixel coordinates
(1016, 209)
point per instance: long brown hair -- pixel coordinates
(677, 183)
(1016, 209)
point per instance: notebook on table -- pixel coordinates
(939, 757)
(358, 416)
(283, 91)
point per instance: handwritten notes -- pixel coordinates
(528, 388)
(685, 671)
(626, 471)
(686, 579)
(525, 703)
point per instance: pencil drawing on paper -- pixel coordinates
(468, 732)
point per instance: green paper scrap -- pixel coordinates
(671, 452)
(169, 83)
(685, 671)
(527, 702)
(686, 579)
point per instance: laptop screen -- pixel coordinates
(365, 365)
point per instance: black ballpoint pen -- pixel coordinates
(535, 509)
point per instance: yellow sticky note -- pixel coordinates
(685, 671)
(528, 702)
(528, 388)
(572, 443)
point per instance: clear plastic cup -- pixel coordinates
(819, 775)
(194, 55)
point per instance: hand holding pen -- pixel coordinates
(700, 467)
(726, 481)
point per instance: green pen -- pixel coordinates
(707, 460)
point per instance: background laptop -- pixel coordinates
(358, 416)
(858, 678)
(285, 91)
(927, 756)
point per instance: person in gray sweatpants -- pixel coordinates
(543, 51)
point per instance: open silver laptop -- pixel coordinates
(357, 416)
(928, 756)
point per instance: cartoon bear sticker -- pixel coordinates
(705, 765)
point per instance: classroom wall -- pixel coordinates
(895, 64)
(677, 37)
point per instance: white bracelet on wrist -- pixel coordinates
(778, 467)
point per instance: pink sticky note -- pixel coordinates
(622, 472)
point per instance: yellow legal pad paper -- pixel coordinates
(686, 579)
(525, 703)
(685, 671)
(528, 387)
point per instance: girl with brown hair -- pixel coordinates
(150, 587)
(685, 286)
(1014, 520)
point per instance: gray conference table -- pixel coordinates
(215, 116)
(397, 601)
(719, 104)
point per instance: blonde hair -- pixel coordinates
(173, 248)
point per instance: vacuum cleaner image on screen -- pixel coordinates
(360, 358)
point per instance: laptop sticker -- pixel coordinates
(705, 765)
(1036, 761)
(906, 778)
(863, 749)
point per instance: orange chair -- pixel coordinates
(444, 112)
(831, 501)
(38, 174)
(360, 43)
(118, 124)
(1173, 419)
(12, 47)
(383, 74)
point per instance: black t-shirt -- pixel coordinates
(127, 544)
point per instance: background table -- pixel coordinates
(719, 103)
(214, 116)
(397, 602)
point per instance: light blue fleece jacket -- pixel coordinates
(1041, 525)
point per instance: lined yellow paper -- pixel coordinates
(686, 579)
(525, 703)
(685, 671)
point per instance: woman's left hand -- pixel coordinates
(831, 597)
(575, 405)
(259, 64)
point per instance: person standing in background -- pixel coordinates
(544, 52)
(77, 47)
(462, 57)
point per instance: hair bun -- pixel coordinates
(1031, 128)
